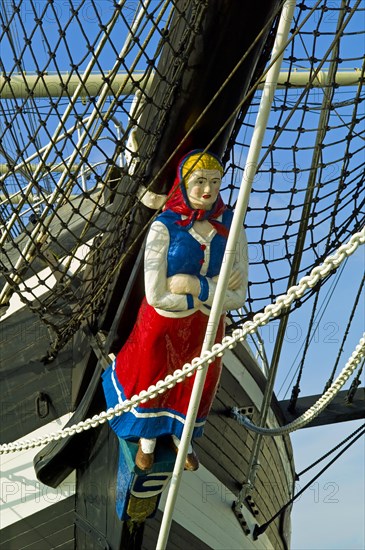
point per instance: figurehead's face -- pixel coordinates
(201, 174)
(202, 188)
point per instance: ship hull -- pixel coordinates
(80, 512)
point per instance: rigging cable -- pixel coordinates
(87, 306)
(297, 257)
(321, 312)
(297, 476)
(229, 342)
(315, 409)
(355, 383)
(296, 388)
(226, 268)
(357, 298)
(42, 225)
(258, 530)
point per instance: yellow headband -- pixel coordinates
(199, 161)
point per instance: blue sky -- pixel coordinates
(330, 515)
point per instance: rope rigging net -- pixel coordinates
(75, 159)
(77, 141)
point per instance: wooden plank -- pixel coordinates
(23, 375)
(224, 465)
(263, 500)
(236, 441)
(179, 539)
(337, 411)
(50, 528)
(269, 494)
(96, 495)
(58, 458)
(271, 462)
(62, 539)
(249, 363)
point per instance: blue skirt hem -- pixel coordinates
(141, 421)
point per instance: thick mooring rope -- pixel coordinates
(218, 350)
(322, 402)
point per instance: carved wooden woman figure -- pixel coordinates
(184, 252)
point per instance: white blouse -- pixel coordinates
(168, 304)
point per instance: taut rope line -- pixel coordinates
(229, 342)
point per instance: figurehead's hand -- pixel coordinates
(235, 279)
(184, 284)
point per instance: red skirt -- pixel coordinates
(157, 347)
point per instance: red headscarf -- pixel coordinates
(178, 200)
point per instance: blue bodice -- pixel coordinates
(186, 254)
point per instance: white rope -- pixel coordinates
(322, 402)
(218, 350)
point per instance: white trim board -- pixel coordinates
(21, 494)
(44, 281)
(204, 508)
